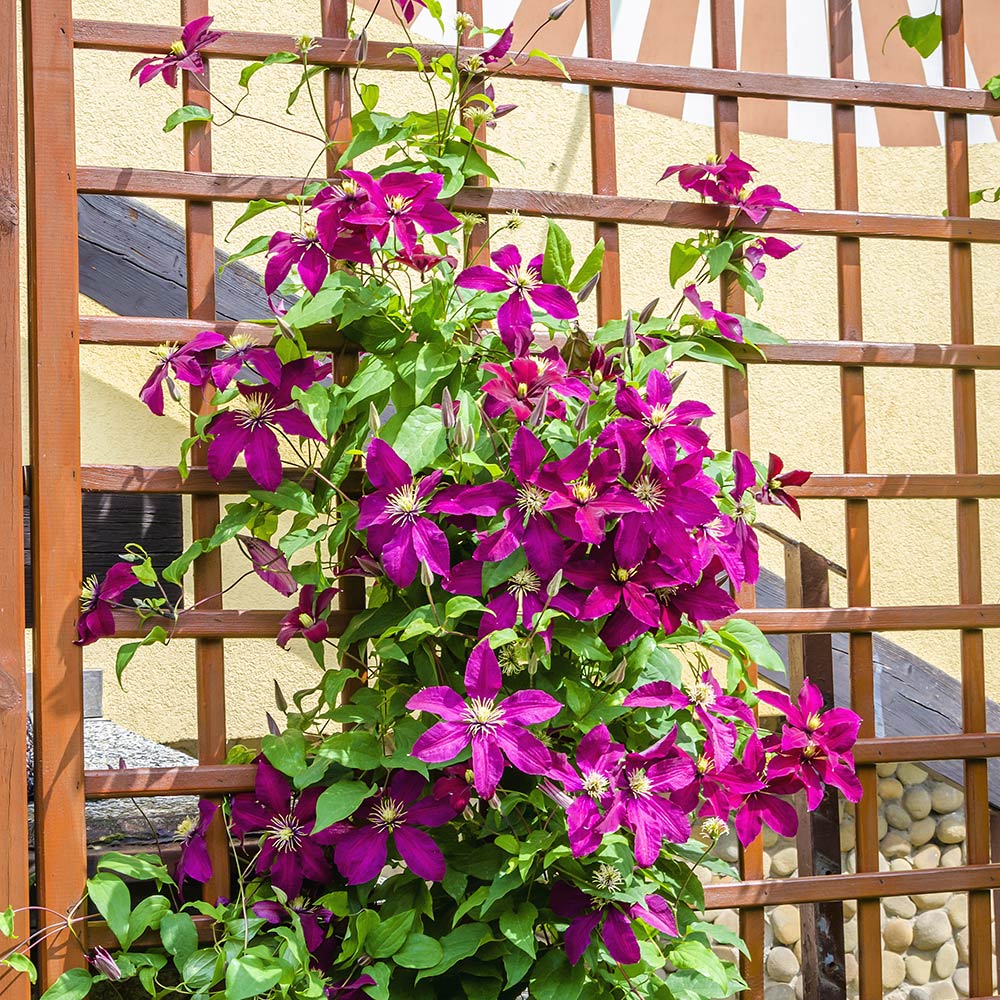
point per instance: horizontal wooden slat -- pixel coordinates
(555, 204)
(953, 746)
(871, 885)
(257, 624)
(166, 479)
(903, 486)
(857, 352)
(142, 782)
(119, 37)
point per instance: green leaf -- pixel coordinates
(110, 896)
(201, 970)
(297, 89)
(255, 208)
(920, 33)
(518, 927)
(189, 113)
(369, 95)
(421, 438)
(993, 86)
(554, 60)
(237, 517)
(128, 650)
(718, 257)
(683, 256)
(7, 922)
(419, 952)
(288, 496)
(21, 963)
(174, 573)
(338, 802)
(179, 936)
(434, 362)
(141, 867)
(286, 752)
(692, 954)
(460, 943)
(74, 984)
(148, 912)
(590, 267)
(557, 264)
(144, 572)
(555, 979)
(274, 57)
(754, 642)
(249, 976)
(256, 246)
(390, 935)
(414, 54)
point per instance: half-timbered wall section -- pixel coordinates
(57, 331)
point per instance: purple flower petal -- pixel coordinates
(422, 856)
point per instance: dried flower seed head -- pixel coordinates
(470, 220)
(474, 65)
(608, 878)
(464, 22)
(513, 220)
(478, 116)
(559, 9)
(714, 828)
(305, 43)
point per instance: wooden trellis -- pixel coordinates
(57, 330)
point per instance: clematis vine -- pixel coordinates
(495, 730)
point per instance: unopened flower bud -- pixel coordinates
(279, 698)
(374, 419)
(272, 727)
(426, 574)
(465, 436)
(559, 9)
(538, 413)
(675, 381)
(102, 960)
(447, 410)
(362, 46)
(628, 337)
(585, 292)
(618, 674)
(555, 584)
(647, 313)
(582, 419)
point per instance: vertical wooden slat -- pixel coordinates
(54, 380)
(807, 585)
(13, 699)
(852, 387)
(207, 572)
(736, 403)
(604, 160)
(970, 585)
(477, 245)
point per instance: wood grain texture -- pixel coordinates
(54, 389)
(13, 697)
(121, 37)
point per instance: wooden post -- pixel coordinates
(13, 785)
(807, 585)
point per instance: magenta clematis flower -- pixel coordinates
(767, 246)
(422, 262)
(269, 564)
(586, 913)
(194, 862)
(455, 787)
(290, 852)
(499, 49)
(184, 54)
(813, 745)
(585, 492)
(733, 543)
(355, 988)
(308, 617)
(409, 9)
(180, 362)
(303, 250)
(401, 202)
(642, 802)
(336, 235)
(715, 180)
(774, 488)
(495, 730)
(716, 711)
(524, 282)
(250, 430)
(744, 475)
(661, 426)
(728, 326)
(361, 853)
(97, 603)
(759, 796)
(704, 601)
(599, 762)
(399, 533)
(758, 202)
(521, 386)
(315, 923)
(240, 352)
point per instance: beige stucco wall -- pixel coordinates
(795, 411)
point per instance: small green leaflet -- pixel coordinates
(683, 256)
(189, 113)
(274, 57)
(129, 649)
(920, 33)
(558, 260)
(338, 802)
(21, 963)
(255, 246)
(73, 984)
(255, 208)
(554, 60)
(993, 86)
(590, 267)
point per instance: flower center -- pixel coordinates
(389, 815)
(524, 278)
(396, 204)
(608, 878)
(524, 582)
(510, 660)
(713, 828)
(241, 341)
(286, 832)
(649, 492)
(704, 765)
(306, 621)
(596, 785)
(658, 416)
(811, 750)
(522, 390)
(405, 505)
(702, 694)
(258, 408)
(350, 187)
(88, 596)
(639, 783)
(665, 594)
(483, 717)
(165, 352)
(177, 48)
(621, 575)
(531, 499)
(584, 491)
(186, 827)
(814, 721)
